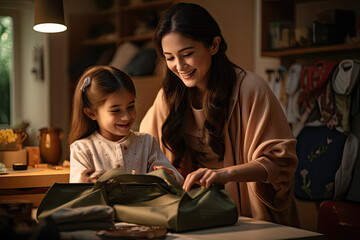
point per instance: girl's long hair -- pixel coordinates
(104, 81)
(193, 21)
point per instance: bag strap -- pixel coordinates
(168, 179)
(303, 80)
(157, 176)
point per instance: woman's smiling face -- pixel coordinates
(190, 60)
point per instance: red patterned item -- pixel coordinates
(313, 77)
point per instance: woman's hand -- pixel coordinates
(248, 172)
(206, 177)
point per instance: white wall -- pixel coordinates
(30, 99)
(35, 98)
(44, 102)
(235, 19)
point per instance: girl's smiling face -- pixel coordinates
(190, 60)
(116, 116)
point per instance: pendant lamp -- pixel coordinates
(49, 16)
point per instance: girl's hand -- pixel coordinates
(171, 173)
(90, 176)
(85, 175)
(206, 177)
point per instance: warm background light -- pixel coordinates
(49, 27)
(49, 16)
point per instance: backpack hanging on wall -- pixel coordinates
(319, 151)
(316, 99)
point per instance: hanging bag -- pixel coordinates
(314, 77)
(319, 150)
(154, 198)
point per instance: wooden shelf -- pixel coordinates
(139, 37)
(310, 50)
(99, 42)
(112, 11)
(31, 184)
(296, 11)
(134, 38)
(139, 6)
(123, 15)
(95, 35)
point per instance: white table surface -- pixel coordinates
(248, 229)
(245, 228)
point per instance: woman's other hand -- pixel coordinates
(206, 177)
(249, 172)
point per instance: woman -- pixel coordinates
(220, 124)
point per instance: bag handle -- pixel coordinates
(158, 176)
(161, 173)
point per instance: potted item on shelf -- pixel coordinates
(12, 139)
(333, 26)
(8, 140)
(302, 36)
(282, 34)
(50, 145)
(11, 150)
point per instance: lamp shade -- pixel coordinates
(49, 16)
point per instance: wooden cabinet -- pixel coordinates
(125, 17)
(31, 184)
(302, 13)
(96, 33)
(297, 14)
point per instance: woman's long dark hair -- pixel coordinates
(193, 21)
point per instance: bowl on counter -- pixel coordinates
(19, 166)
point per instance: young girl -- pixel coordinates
(101, 137)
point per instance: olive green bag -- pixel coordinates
(154, 198)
